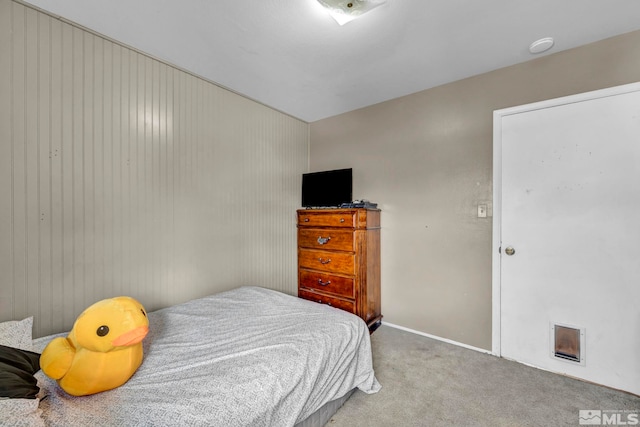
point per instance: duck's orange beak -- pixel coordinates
(132, 337)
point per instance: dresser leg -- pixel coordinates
(375, 325)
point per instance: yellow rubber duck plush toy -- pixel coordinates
(103, 349)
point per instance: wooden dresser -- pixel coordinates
(339, 260)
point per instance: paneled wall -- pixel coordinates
(120, 174)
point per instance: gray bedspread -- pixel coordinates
(246, 357)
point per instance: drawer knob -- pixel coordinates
(306, 220)
(320, 282)
(323, 240)
(341, 219)
(324, 261)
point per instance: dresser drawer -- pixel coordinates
(322, 238)
(313, 218)
(333, 302)
(336, 285)
(334, 262)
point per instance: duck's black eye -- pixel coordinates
(143, 313)
(102, 331)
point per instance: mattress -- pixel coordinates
(246, 357)
(322, 416)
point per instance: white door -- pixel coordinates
(567, 198)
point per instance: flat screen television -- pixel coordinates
(327, 188)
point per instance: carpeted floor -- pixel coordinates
(426, 382)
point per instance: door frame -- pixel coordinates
(496, 284)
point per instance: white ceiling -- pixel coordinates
(292, 56)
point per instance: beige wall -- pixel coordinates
(123, 175)
(426, 158)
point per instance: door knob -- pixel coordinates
(509, 251)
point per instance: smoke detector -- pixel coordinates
(541, 45)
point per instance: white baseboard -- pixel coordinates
(459, 344)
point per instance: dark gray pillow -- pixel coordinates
(16, 373)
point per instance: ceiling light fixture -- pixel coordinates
(541, 45)
(344, 11)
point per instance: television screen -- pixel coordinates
(327, 188)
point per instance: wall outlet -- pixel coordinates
(482, 211)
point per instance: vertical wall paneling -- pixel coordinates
(123, 175)
(6, 159)
(64, 115)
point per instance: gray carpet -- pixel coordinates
(426, 382)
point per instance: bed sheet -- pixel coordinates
(246, 357)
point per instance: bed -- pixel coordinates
(245, 357)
